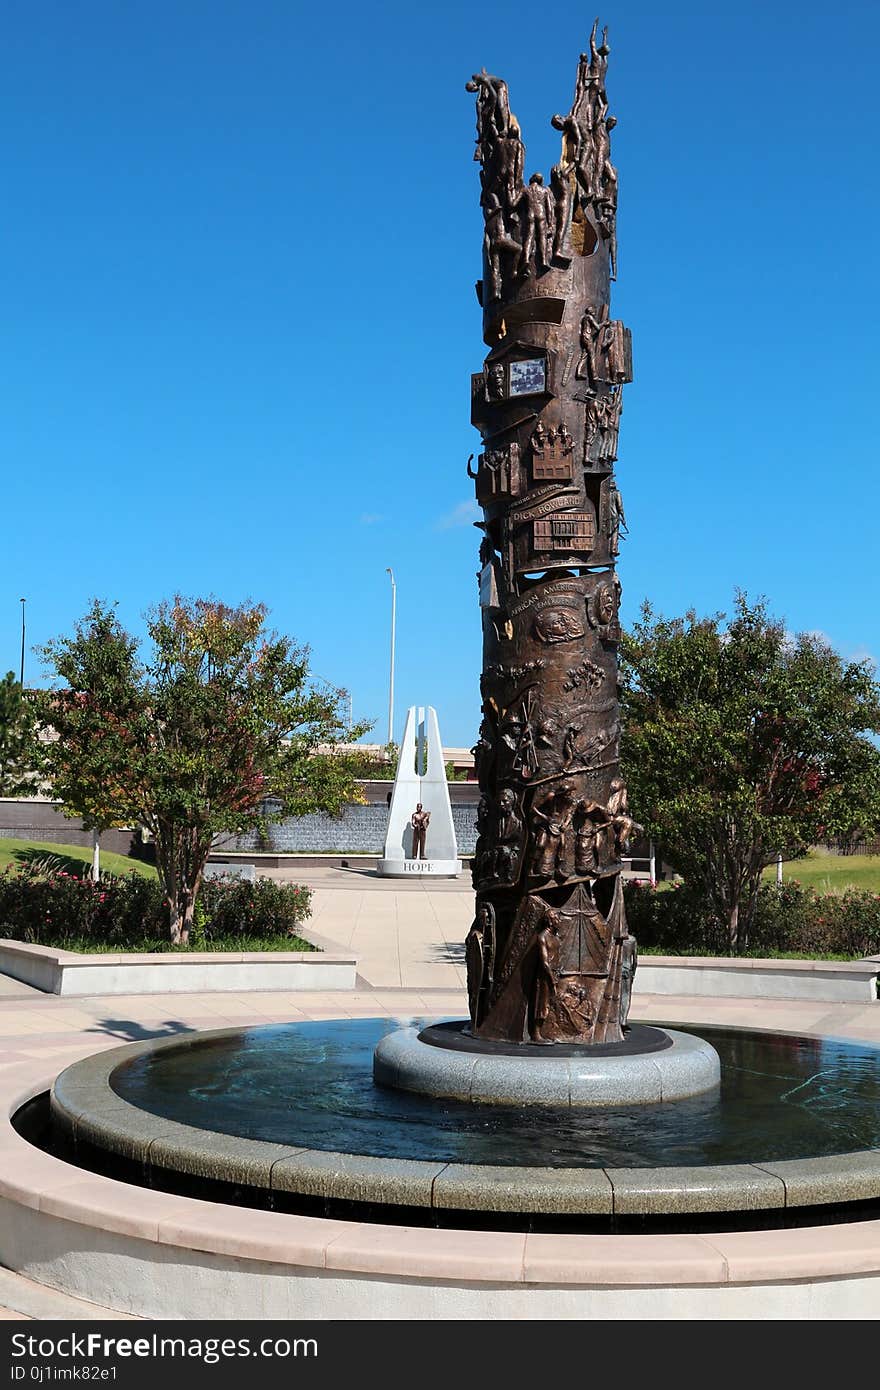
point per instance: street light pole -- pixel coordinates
(390, 573)
(21, 679)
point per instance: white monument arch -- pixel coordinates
(420, 780)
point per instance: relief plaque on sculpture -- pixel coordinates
(498, 473)
(527, 378)
(552, 453)
(489, 597)
(570, 531)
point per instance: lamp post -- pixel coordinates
(390, 573)
(21, 678)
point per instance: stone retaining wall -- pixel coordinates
(55, 971)
(45, 822)
(359, 830)
(828, 981)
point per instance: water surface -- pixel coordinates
(311, 1085)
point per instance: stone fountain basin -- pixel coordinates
(157, 1254)
(87, 1108)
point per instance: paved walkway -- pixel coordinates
(408, 937)
(403, 938)
(14, 989)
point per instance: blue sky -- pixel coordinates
(240, 239)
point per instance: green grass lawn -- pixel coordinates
(832, 873)
(73, 858)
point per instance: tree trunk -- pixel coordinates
(196, 866)
(186, 915)
(754, 885)
(175, 921)
(167, 862)
(181, 852)
(96, 856)
(733, 928)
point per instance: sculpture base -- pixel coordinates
(650, 1066)
(420, 868)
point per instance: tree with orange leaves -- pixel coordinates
(218, 729)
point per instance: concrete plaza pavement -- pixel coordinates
(406, 935)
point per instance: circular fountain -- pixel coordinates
(290, 1114)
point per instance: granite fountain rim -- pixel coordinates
(84, 1103)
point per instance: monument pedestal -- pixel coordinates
(420, 868)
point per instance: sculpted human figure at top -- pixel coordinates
(493, 107)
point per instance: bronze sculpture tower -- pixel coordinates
(549, 956)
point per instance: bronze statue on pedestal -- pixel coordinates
(419, 821)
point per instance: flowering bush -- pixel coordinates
(51, 907)
(235, 907)
(789, 919)
(54, 908)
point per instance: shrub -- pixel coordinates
(789, 919)
(56, 908)
(235, 907)
(676, 919)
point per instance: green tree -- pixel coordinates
(376, 765)
(19, 752)
(218, 729)
(740, 742)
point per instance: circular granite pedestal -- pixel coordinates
(651, 1065)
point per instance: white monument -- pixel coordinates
(420, 781)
